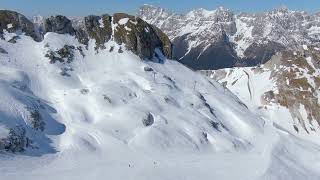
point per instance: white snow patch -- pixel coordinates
(127, 28)
(101, 24)
(123, 21)
(9, 26)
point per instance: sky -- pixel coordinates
(86, 7)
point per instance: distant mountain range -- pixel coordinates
(219, 38)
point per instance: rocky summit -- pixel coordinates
(137, 35)
(132, 32)
(11, 21)
(214, 39)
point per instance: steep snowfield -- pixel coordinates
(108, 115)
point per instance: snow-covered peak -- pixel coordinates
(197, 33)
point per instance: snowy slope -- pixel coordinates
(109, 114)
(285, 90)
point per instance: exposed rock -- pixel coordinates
(14, 39)
(97, 28)
(14, 22)
(36, 119)
(64, 54)
(132, 32)
(53, 56)
(59, 24)
(257, 54)
(291, 81)
(167, 47)
(67, 53)
(2, 51)
(105, 97)
(16, 141)
(84, 91)
(148, 121)
(298, 85)
(147, 69)
(139, 37)
(220, 54)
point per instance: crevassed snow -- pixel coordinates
(200, 129)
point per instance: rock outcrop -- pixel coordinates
(132, 32)
(139, 36)
(59, 24)
(14, 22)
(97, 28)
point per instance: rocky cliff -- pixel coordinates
(132, 32)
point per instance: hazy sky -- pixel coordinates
(85, 7)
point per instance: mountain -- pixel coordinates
(285, 89)
(98, 96)
(207, 40)
(283, 41)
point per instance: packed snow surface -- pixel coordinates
(110, 118)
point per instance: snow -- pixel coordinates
(101, 24)
(94, 119)
(9, 26)
(127, 28)
(245, 32)
(305, 47)
(123, 21)
(250, 90)
(314, 30)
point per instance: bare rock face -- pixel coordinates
(59, 24)
(139, 36)
(132, 32)
(3, 51)
(16, 141)
(14, 22)
(260, 53)
(99, 28)
(135, 34)
(94, 27)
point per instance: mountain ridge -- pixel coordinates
(136, 35)
(200, 35)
